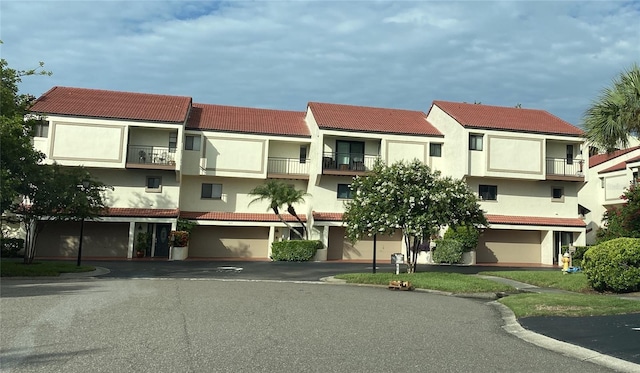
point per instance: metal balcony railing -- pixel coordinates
(290, 166)
(348, 161)
(565, 167)
(160, 155)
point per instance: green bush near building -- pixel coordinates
(294, 250)
(448, 251)
(614, 265)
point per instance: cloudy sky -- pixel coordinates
(551, 55)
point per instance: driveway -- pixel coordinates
(213, 325)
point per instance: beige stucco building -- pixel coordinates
(170, 158)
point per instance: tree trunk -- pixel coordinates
(287, 224)
(292, 211)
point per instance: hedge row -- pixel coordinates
(294, 250)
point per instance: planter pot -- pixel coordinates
(139, 254)
(179, 252)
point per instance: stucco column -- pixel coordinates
(272, 235)
(132, 237)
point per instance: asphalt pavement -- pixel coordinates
(614, 336)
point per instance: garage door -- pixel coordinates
(229, 242)
(340, 248)
(61, 239)
(508, 246)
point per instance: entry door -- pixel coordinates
(162, 240)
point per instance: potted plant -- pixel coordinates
(143, 243)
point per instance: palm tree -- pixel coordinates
(280, 194)
(616, 114)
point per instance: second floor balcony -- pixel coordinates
(564, 169)
(335, 163)
(287, 168)
(151, 157)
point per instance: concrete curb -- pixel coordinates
(512, 326)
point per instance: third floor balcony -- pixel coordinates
(564, 169)
(349, 164)
(151, 157)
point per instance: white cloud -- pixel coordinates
(555, 56)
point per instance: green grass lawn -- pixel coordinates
(583, 301)
(576, 282)
(12, 268)
(449, 282)
(533, 304)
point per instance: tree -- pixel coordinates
(280, 194)
(410, 197)
(18, 158)
(616, 113)
(57, 193)
(623, 221)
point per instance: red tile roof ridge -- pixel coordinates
(101, 103)
(345, 117)
(620, 166)
(238, 216)
(597, 159)
(247, 120)
(534, 220)
(482, 116)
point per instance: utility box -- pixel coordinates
(397, 258)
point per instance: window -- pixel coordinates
(569, 154)
(350, 155)
(557, 194)
(303, 154)
(173, 142)
(636, 179)
(192, 142)
(435, 150)
(488, 192)
(154, 184)
(344, 191)
(211, 191)
(41, 129)
(475, 142)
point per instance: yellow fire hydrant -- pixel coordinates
(566, 259)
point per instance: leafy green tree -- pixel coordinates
(18, 158)
(623, 221)
(58, 193)
(280, 194)
(616, 113)
(410, 197)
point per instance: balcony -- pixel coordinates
(151, 157)
(348, 164)
(563, 169)
(287, 168)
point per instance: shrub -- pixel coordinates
(179, 238)
(466, 235)
(11, 247)
(614, 265)
(295, 250)
(448, 251)
(578, 255)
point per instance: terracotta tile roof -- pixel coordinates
(149, 213)
(371, 119)
(327, 216)
(113, 104)
(247, 120)
(535, 220)
(620, 166)
(238, 216)
(482, 116)
(601, 158)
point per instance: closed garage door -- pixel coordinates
(340, 248)
(508, 246)
(61, 239)
(229, 242)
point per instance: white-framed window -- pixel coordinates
(303, 154)
(569, 154)
(344, 191)
(211, 191)
(41, 128)
(435, 150)
(475, 142)
(557, 194)
(154, 184)
(488, 192)
(192, 142)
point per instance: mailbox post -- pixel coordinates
(397, 259)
